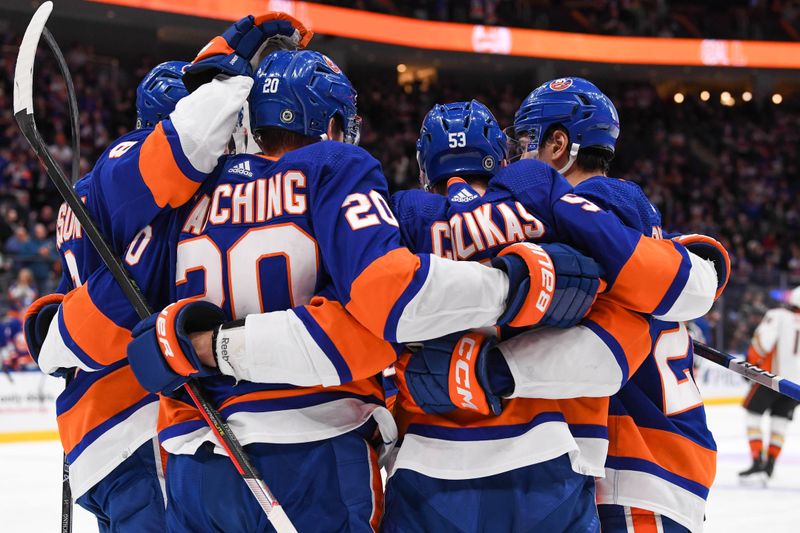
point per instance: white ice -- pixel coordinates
(30, 487)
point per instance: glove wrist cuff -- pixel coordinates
(228, 341)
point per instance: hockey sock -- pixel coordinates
(778, 425)
(754, 435)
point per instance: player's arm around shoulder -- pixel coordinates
(592, 359)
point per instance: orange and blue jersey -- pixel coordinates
(298, 241)
(104, 415)
(530, 201)
(662, 456)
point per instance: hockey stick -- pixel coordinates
(72, 100)
(23, 113)
(748, 370)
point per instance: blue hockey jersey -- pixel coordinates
(662, 455)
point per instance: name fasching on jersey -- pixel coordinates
(242, 168)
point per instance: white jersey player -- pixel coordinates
(775, 347)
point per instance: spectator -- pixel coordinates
(22, 292)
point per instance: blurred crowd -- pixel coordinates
(716, 19)
(730, 172)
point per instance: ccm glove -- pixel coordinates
(161, 353)
(37, 323)
(452, 372)
(236, 52)
(712, 250)
(550, 285)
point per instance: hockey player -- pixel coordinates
(662, 456)
(775, 347)
(452, 463)
(107, 421)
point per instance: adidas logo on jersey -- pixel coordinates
(242, 168)
(463, 196)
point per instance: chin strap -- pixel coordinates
(573, 155)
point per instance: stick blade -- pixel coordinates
(23, 73)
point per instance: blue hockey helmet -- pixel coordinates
(159, 92)
(576, 104)
(460, 138)
(300, 91)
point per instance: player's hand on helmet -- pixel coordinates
(550, 285)
(712, 250)
(161, 354)
(36, 324)
(237, 51)
(453, 372)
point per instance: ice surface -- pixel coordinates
(30, 487)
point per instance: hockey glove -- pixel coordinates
(37, 323)
(236, 52)
(712, 250)
(452, 373)
(551, 285)
(161, 354)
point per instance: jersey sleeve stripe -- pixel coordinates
(362, 353)
(678, 283)
(86, 330)
(161, 173)
(641, 287)
(627, 334)
(390, 330)
(325, 343)
(178, 153)
(376, 291)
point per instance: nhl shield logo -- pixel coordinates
(561, 84)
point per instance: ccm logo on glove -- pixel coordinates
(462, 374)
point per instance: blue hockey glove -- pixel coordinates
(550, 285)
(161, 354)
(37, 322)
(452, 372)
(236, 52)
(712, 250)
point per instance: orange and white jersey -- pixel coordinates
(776, 342)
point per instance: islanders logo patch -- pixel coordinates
(561, 84)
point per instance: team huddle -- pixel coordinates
(508, 344)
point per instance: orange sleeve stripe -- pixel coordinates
(631, 330)
(377, 289)
(364, 353)
(105, 398)
(671, 451)
(161, 173)
(641, 285)
(99, 337)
